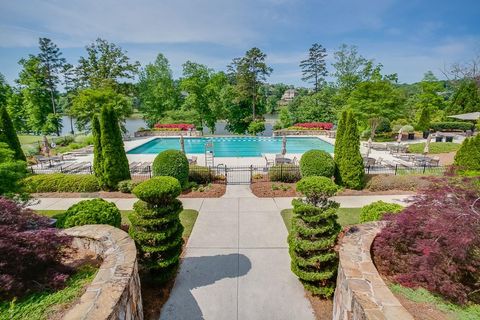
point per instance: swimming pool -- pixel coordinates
(234, 146)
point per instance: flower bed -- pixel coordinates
(175, 126)
(312, 126)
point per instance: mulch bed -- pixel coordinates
(216, 191)
(263, 189)
(323, 308)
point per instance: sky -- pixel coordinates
(409, 37)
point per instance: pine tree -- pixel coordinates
(115, 162)
(156, 228)
(9, 135)
(97, 150)
(350, 164)
(314, 234)
(337, 156)
(314, 68)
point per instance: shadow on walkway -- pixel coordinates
(196, 272)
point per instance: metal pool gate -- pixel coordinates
(250, 174)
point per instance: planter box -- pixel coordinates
(411, 136)
(438, 139)
(426, 134)
(448, 139)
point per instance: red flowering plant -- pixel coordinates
(177, 126)
(31, 252)
(315, 125)
(435, 242)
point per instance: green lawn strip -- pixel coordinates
(435, 147)
(421, 295)
(187, 218)
(346, 216)
(39, 306)
(29, 139)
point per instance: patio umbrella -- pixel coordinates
(46, 147)
(284, 145)
(369, 146)
(182, 144)
(427, 144)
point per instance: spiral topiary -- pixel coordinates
(156, 228)
(317, 163)
(314, 234)
(172, 163)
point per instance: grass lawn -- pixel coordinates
(187, 218)
(40, 306)
(346, 216)
(423, 296)
(28, 139)
(435, 147)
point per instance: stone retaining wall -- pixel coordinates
(300, 133)
(360, 292)
(155, 133)
(115, 292)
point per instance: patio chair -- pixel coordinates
(192, 160)
(280, 159)
(434, 162)
(269, 162)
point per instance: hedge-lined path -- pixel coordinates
(196, 203)
(236, 264)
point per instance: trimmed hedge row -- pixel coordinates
(446, 126)
(61, 182)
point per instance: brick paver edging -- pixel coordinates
(361, 293)
(115, 292)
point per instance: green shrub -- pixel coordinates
(350, 171)
(451, 126)
(314, 235)
(384, 126)
(172, 163)
(317, 163)
(156, 228)
(284, 173)
(256, 126)
(200, 174)
(114, 159)
(126, 186)
(95, 211)
(468, 156)
(61, 182)
(158, 189)
(12, 171)
(375, 211)
(8, 134)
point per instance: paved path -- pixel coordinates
(237, 265)
(196, 204)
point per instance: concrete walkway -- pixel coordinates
(237, 265)
(232, 192)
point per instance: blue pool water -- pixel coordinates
(234, 146)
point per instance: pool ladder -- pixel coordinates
(209, 157)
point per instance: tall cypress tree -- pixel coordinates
(9, 135)
(97, 150)
(350, 165)
(338, 144)
(115, 162)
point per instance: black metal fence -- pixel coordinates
(223, 174)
